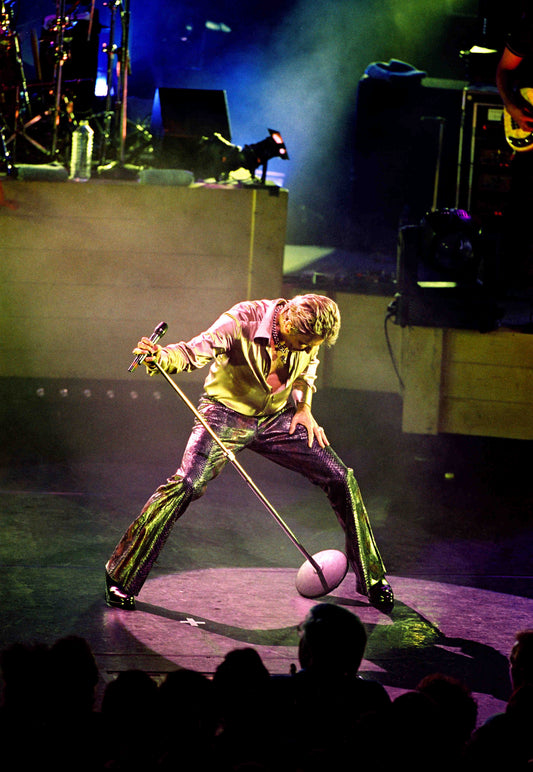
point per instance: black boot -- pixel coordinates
(381, 596)
(116, 597)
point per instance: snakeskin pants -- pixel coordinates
(203, 460)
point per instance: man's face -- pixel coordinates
(301, 342)
(298, 341)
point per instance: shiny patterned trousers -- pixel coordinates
(203, 460)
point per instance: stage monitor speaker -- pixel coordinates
(437, 304)
(180, 118)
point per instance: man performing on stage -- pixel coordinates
(257, 395)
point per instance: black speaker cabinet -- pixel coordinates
(396, 164)
(180, 118)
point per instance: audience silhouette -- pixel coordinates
(457, 713)
(26, 687)
(505, 741)
(186, 721)
(245, 708)
(129, 701)
(327, 706)
(322, 715)
(48, 715)
(432, 725)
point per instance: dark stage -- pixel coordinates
(452, 516)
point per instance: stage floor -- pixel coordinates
(451, 514)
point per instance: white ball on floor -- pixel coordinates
(333, 565)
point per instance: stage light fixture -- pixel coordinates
(218, 157)
(260, 153)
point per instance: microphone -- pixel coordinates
(158, 333)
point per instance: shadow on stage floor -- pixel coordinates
(452, 516)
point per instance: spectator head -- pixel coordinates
(521, 659)
(457, 706)
(332, 639)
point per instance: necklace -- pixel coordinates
(279, 346)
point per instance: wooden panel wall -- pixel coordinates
(487, 384)
(89, 267)
(468, 382)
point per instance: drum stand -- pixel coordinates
(6, 159)
(110, 50)
(124, 72)
(117, 168)
(61, 23)
(23, 118)
(23, 112)
(21, 126)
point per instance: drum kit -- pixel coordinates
(39, 114)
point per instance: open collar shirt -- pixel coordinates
(238, 345)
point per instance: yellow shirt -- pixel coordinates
(238, 344)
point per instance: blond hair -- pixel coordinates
(313, 315)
